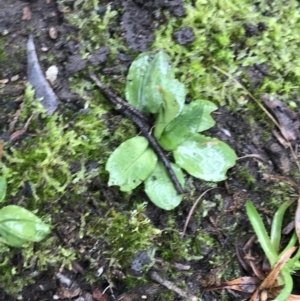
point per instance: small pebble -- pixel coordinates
(226, 132)
(26, 13)
(99, 272)
(53, 33)
(51, 74)
(14, 78)
(184, 36)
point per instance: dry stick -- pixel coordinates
(193, 209)
(141, 122)
(115, 99)
(169, 285)
(262, 107)
(177, 266)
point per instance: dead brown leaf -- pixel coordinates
(285, 116)
(242, 284)
(293, 298)
(99, 296)
(68, 293)
(26, 13)
(4, 81)
(270, 282)
(273, 275)
(19, 133)
(261, 290)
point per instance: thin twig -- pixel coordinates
(142, 123)
(277, 178)
(169, 285)
(193, 209)
(115, 99)
(175, 265)
(255, 156)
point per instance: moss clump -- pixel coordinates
(166, 296)
(242, 172)
(53, 144)
(173, 247)
(124, 234)
(223, 38)
(53, 159)
(20, 266)
(3, 54)
(94, 26)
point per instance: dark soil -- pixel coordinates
(137, 22)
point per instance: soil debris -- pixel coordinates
(141, 17)
(75, 64)
(137, 26)
(99, 57)
(184, 35)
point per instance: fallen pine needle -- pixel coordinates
(193, 209)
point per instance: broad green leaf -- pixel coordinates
(145, 74)
(207, 121)
(18, 225)
(177, 89)
(205, 158)
(3, 186)
(160, 189)
(136, 81)
(131, 163)
(161, 76)
(149, 74)
(182, 126)
(167, 112)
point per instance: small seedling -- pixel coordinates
(18, 225)
(154, 92)
(270, 246)
(277, 283)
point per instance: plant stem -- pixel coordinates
(288, 285)
(291, 243)
(275, 235)
(294, 261)
(261, 233)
